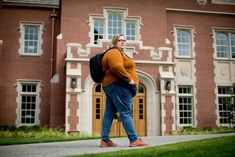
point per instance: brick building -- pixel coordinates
(184, 52)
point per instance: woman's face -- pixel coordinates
(121, 43)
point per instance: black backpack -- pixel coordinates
(96, 68)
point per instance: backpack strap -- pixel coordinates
(112, 48)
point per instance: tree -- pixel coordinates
(231, 106)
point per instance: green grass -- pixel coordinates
(10, 135)
(29, 140)
(215, 147)
(31, 137)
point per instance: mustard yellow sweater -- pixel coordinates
(119, 67)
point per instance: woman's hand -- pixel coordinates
(132, 82)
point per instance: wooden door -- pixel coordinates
(138, 110)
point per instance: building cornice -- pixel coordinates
(30, 5)
(200, 11)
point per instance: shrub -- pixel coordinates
(30, 131)
(190, 130)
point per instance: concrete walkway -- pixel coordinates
(59, 149)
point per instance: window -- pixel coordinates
(184, 43)
(225, 45)
(28, 103)
(185, 105)
(224, 97)
(115, 24)
(98, 29)
(114, 21)
(97, 106)
(30, 39)
(222, 45)
(140, 88)
(233, 45)
(131, 30)
(141, 109)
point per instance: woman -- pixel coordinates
(120, 85)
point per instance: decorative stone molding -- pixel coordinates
(60, 36)
(75, 50)
(184, 71)
(55, 79)
(223, 71)
(168, 51)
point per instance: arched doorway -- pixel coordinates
(139, 112)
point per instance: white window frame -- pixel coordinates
(109, 36)
(226, 95)
(135, 29)
(191, 31)
(22, 38)
(20, 83)
(104, 29)
(125, 19)
(186, 95)
(229, 33)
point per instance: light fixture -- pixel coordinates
(168, 85)
(73, 82)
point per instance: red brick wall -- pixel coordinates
(15, 66)
(157, 25)
(76, 14)
(57, 106)
(203, 24)
(75, 26)
(73, 107)
(169, 119)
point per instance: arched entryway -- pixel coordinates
(139, 112)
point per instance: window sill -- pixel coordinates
(30, 55)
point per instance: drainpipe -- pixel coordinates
(53, 16)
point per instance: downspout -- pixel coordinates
(53, 16)
(52, 59)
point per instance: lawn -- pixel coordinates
(10, 135)
(216, 147)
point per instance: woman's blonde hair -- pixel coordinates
(115, 40)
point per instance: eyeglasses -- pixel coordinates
(123, 40)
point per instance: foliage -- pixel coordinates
(206, 130)
(231, 105)
(29, 131)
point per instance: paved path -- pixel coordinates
(59, 149)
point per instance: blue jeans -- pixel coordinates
(119, 99)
